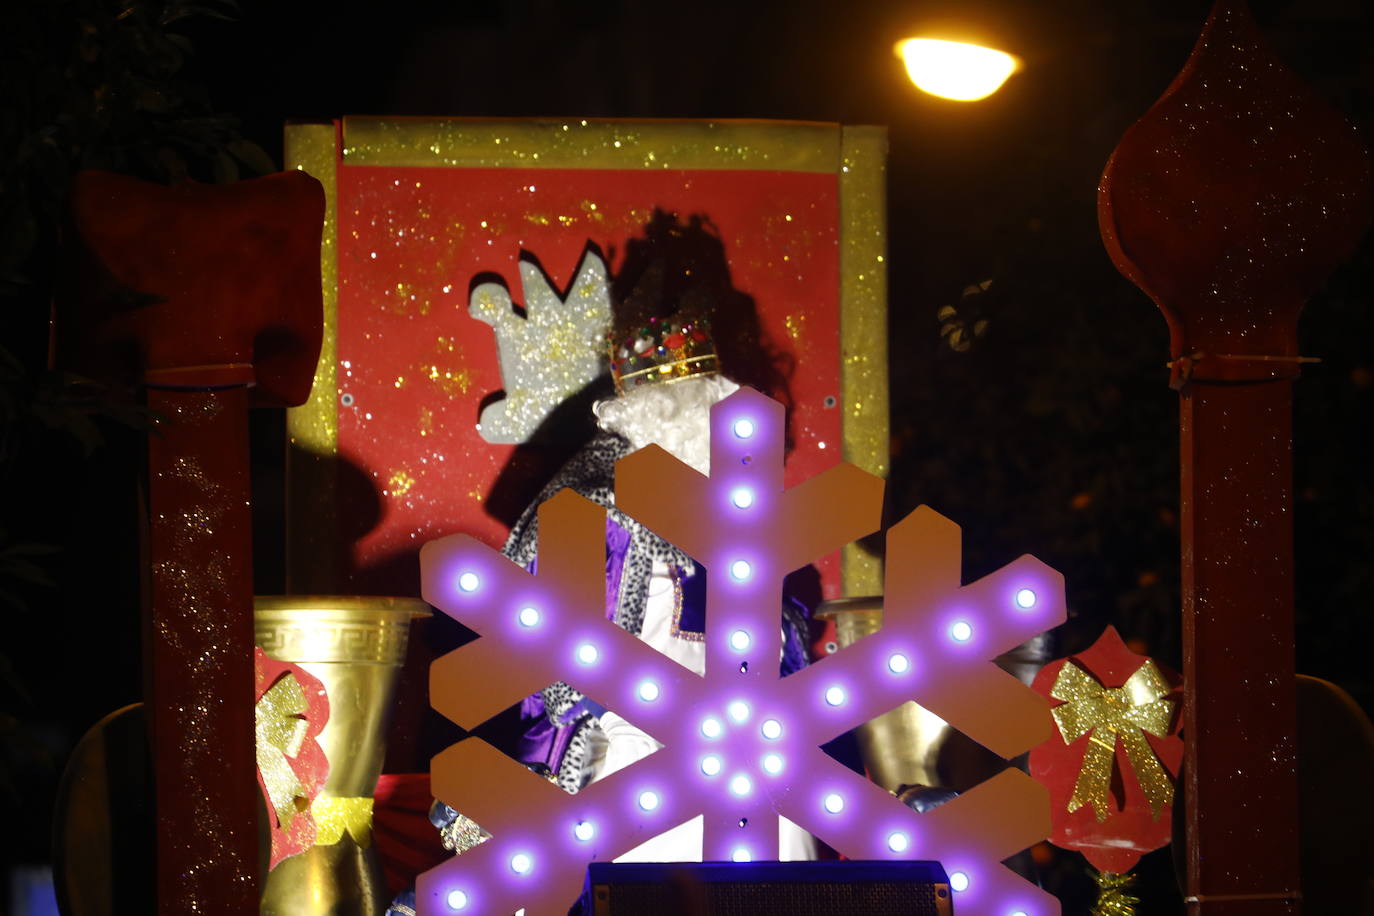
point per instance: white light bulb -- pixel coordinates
(648, 800)
(772, 729)
(521, 863)
(710, 765)
(741, 570)
(772, 763)
(587, 653)
(958, 881)
(648, 691)
(741, 785)
(457, 900)
(742, 497)
(739, 640)
(741, 855)
(711, 727)
(743, 428)
(834, 803)
(1025, 599)
(584, 831)
(834, 696)
(739, 710)
(961, 631)
(1020, 913)
(897, 841)
(528, 616)
(898, 663)
(468, 582)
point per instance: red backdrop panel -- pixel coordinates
(414, 367)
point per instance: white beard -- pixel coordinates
(674, 416)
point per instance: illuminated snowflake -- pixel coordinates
(741, 745)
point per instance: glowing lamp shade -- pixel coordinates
(469, 582)
(584, 831)
(457, 900)
(648, 801)
(741, 855)
(954, 70)
(958, 881)
(833, 803)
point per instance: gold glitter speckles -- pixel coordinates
(448, 371)
(474, 143)
(400, 483)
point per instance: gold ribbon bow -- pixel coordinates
(1122, 712)
(280, 734)
(336, 814)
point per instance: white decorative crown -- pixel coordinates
(550, 353)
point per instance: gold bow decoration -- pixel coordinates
(1140, 705)
(334, 815)
(280, 733)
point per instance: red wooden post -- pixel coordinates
(227, 313)
(1228, 203)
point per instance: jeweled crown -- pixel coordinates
(662, 350)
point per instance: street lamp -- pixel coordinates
(954, 69)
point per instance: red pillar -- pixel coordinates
(210, 296)
(1228, 203)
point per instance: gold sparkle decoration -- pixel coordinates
(548, 355)
(1114, 897)
(863, 326)
(1123, 713)
(400, 482)
(448, 372)
(794, 324)
(280, 732)
(572, 143)
(335, 816)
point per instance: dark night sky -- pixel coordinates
(1056, 433)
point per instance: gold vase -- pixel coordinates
(901, 747)
(356, 647)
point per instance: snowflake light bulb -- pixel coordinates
(742, 497)
(1025, 599)
(469, 582)
(796, 715)
(743, 428)
(528, 616)
(897, 841)
(739, 640)
(961, 631)
(958, 881)
(584, 831)
(457, 900)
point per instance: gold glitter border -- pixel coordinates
(863, 320)
(581, 143)
(312, 430)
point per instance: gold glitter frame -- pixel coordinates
(856, 155)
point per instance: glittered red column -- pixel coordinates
(210, 293)
(1228, 203)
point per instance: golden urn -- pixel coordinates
(356, 647)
